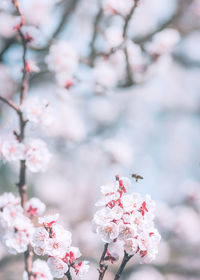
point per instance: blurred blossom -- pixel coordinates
(164, 41)
(104, 74)
(43, 9)
(62, 58)
(121, 6)
(119, 151)
(7, 23)
(113, 36)
(103, 110)
(186, 224)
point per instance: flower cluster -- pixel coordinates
(40, 271)
(33, 151)
(53, 240)
(127, 219)
(16, 230)
(37, 111)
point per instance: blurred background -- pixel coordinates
(132, 108)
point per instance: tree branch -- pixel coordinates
(129, 81)
(68, 274)
(102, 266)
(10, 103)
(122, 266)
(22, 187)
(94, 36)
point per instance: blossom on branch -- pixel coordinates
(12, 149)
(16, 229)
(37, 155)
(62, 58)
(40, 271)
(35, 207)
(53, 240)
(127, 218)
(37, 111)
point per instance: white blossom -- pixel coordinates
(37, 155)
(62, 58)
(53, 240)
(16, 229)
(37, 111)
(57, 267)
(12, 149)
(83, 271)
(127, 218)
(40, 271)
(35, 207)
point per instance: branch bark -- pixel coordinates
(102, 266)
(22, 187)
(122, 266)
(10, 103)
(68, 275)
(129, 80)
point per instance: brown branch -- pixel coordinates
(129, 78)
(181, 8)
(125, 260)
(102, 266)
(148, 37)
(22, 187)
(128, 18)
(10, 103)
(24, 41)
(68, 274)
(94, 36)
(6, 46)
(68, 9)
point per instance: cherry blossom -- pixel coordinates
(37, 111)
(62, 58)
(105, 74)
(12, 149)
(16, 229)
(43, 9)
(129, 218)
(35, 207)
(37, 155)
(53, 240)
(40, 271)
(164, 41)
(82, 271)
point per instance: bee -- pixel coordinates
(137, 177)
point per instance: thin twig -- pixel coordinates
(94, 36)
(10, 103)
(129, 81)
(102, 266)
(128, 18)
(68, 9)
(122, 266)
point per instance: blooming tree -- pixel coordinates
(121, 60)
